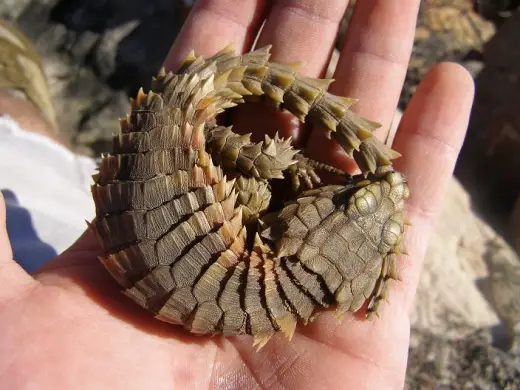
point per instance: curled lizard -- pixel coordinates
(185, 216)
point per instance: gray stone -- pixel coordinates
(472, 362)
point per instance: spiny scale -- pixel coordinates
(173, 226)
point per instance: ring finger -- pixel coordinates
(372, 67)
(303, 30)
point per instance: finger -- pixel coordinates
(372, 67)
(429, 138)
(14, 281)
(303, 31)
(212, 24)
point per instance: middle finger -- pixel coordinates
(303, 30)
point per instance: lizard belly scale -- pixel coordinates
(172, 225)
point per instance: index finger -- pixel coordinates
(212, 24)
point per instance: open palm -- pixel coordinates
(68, 326)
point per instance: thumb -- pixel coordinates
(13, 279)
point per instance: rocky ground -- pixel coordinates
(98, 52)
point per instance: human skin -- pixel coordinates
(68, 326)
(27, 116)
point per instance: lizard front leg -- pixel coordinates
(304, 174)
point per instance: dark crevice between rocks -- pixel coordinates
(134, 37)
(489, 162)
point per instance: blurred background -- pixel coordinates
(97, 53)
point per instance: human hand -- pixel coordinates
(68, 326)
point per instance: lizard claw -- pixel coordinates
(303, 175)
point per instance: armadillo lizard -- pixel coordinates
(200, 249)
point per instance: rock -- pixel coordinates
(472, 362)
(80, 46)
(515, 223)
(448, 300)
(496, 9)
(12, 9)
(489, 163)
(105, 52)
(97, 132)
(447, 30)
(504, 284)
(133, 37)
(465, 319)
(95, 54)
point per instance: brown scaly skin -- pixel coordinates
(172, 223)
